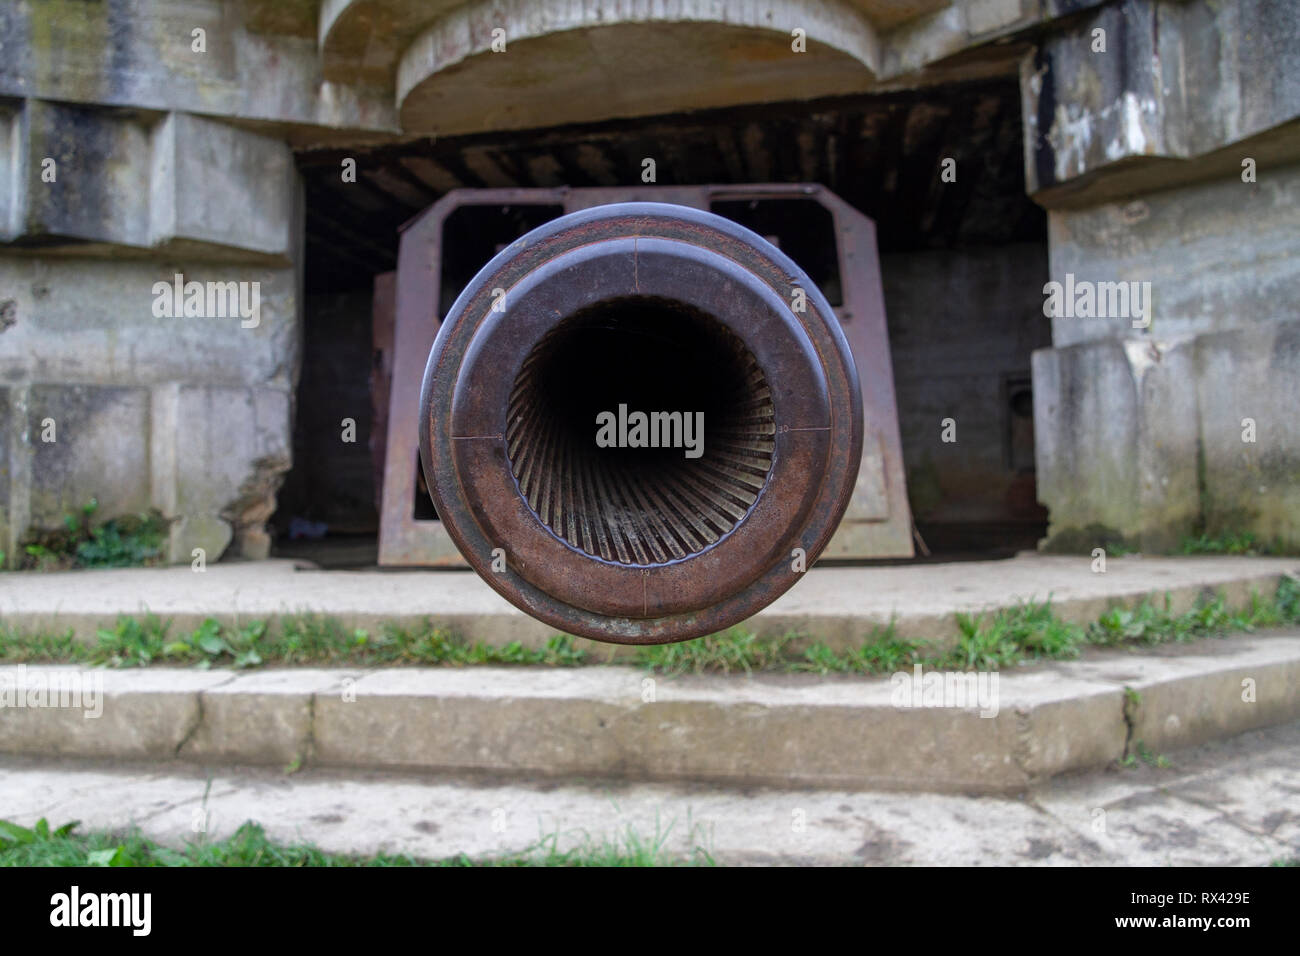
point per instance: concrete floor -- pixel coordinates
(1234, 802)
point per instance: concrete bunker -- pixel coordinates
(961, 266)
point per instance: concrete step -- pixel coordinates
(1223, 804)
(838, 605)
(981, 733)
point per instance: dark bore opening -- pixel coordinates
(640, 505)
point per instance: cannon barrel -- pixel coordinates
(640, 423)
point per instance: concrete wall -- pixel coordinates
(108, 393)
(1170, 161)
(962, 324)
(332, 480)
(258, 62)
(1147, 442)
(1175, 81)
(1220, 254)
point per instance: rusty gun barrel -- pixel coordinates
(640, 423)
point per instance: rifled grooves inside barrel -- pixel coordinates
(641, 506)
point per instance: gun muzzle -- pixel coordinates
(641, 423)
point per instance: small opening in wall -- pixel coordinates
(803, 229)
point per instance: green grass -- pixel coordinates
(733, 650)
(1005, 638)
(1011, 636)
(43, 845)
(881, 653)
(1231, 542)
(1143, 753)
(297, 640)
(126, 541)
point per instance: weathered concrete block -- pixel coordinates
(1156, 93)
(1222, 294)
(1012, 731)
(1197, 708)
(144, 714)
(1044, 720)
(1248, 384)
(1146, 443)
(261, 718)
(1117, 441)
(768, 729)
(142, 55)
(93, 321)
(1217, 255)
(233, 447)
(1184, 695)
(98, 448)
(207, 533)
(80, 174)
(10, 117)
(83, 174)
(10, 434)
(216, 184)
(128, 432)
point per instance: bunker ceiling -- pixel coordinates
(882, 153)
(619, 58)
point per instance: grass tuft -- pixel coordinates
(1232, 542)
(298, 640)
(122, 542)
(42, 845)
(733, 650)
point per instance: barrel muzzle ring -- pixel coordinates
(709, 505)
